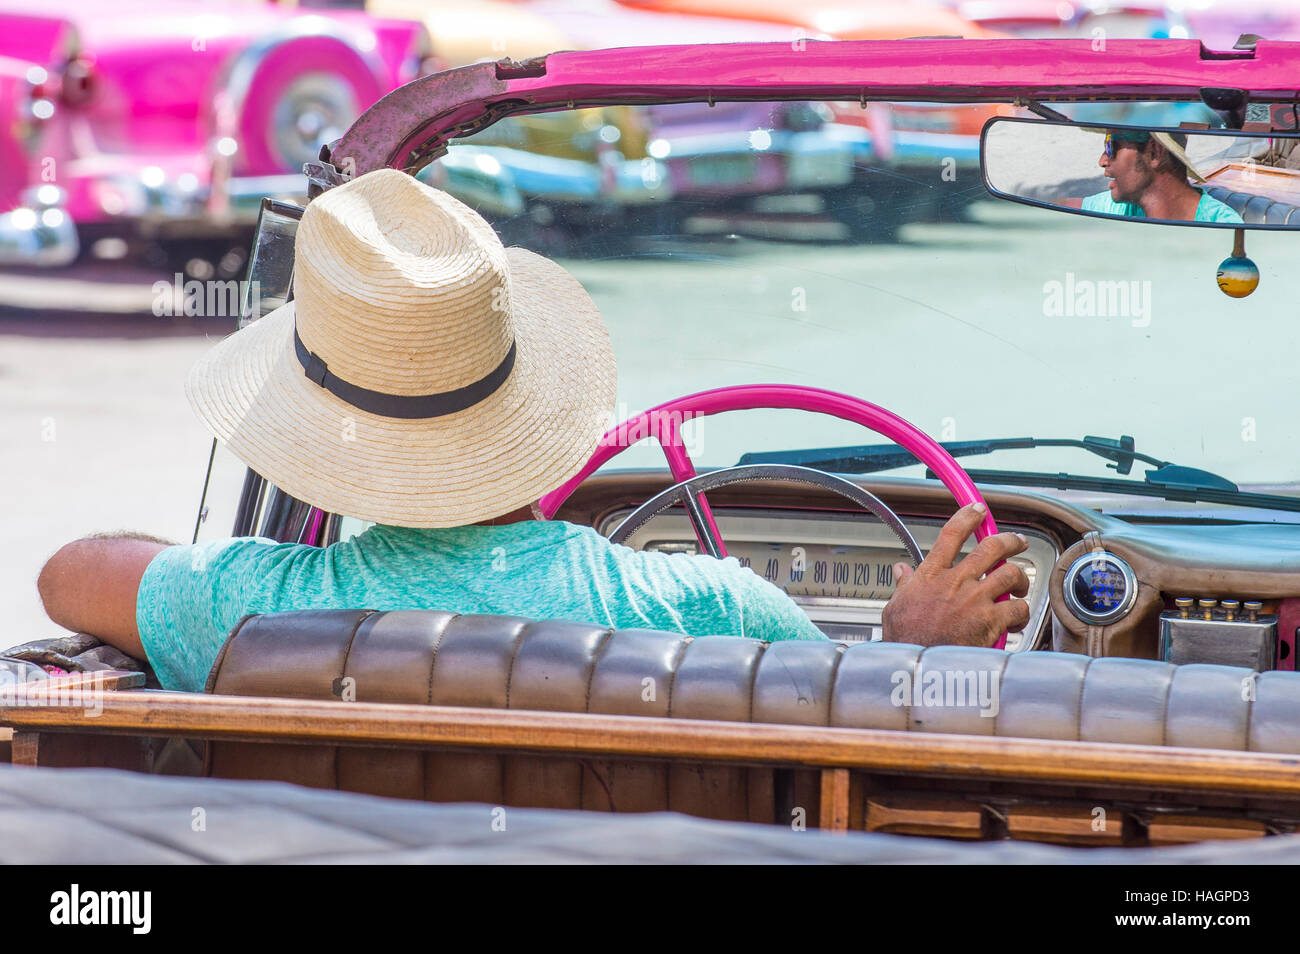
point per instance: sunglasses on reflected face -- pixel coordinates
(1113, 143)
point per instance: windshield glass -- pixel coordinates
(857, 250)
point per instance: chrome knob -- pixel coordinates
(1230, 608)
(1207, 607)
(1252, 608)
(1184, 604)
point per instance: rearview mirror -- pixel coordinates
(1168, 175)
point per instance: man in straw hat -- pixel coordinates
(437, 384)
(1148, 174)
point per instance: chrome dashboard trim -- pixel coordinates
(1087, 615)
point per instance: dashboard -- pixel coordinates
(1185, 587)
(838, 567)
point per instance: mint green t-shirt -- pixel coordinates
(1209, 209)
(191, 596)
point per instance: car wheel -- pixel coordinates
(866, 217)
(303, 95)
(666, 219)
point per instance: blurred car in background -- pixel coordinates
(912, 161)
(715, 159)
(841, 19)
(1220, 23)
(561, 171)
(1028, 19)
(159, 126)
(1080, 19)
(587, 169)
(34, 228)
(1217, 23)
(1098, 21)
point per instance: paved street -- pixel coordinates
(957, 328)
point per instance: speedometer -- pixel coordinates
(845, 572)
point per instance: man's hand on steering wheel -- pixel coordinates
(942, 603)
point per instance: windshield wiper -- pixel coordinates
(872, 458)
(1165, 479)
(1173, 490)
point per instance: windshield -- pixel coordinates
(857, 250)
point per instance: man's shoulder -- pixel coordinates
(685, 571)
(207, 552)
(1210, 209)
(1102, 202)
(229, 561)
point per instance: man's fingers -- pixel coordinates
(990, 552)
(902, 573)
(954, 533)
(1008, 578)
(1013, 615)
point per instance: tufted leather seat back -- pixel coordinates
(435, 658)
(1257, 209)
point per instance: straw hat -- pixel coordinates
(1178, 152)
(424, 376)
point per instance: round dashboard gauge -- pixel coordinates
(1100, 588)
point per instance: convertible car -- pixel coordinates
(1151, 700)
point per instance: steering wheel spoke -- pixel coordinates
(706, 528)
(668, 432)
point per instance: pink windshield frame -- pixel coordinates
(413, 124)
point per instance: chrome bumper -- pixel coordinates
(518, 176)
(40, 237)
(738, 162)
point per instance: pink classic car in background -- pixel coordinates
(147, 124)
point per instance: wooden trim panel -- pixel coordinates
(1202, 771)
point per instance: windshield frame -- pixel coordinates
(414, 124)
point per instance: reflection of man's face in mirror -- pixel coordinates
(1131, 166)
(1148, 175)
(1140, 167)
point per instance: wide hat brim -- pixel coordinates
(525, 439)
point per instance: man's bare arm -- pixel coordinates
(90, 586)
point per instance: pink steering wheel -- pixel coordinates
(665, 421)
